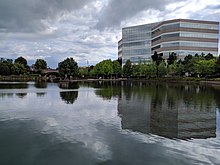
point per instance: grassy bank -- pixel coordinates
(20, 78)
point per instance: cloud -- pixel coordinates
(87, 30)
(32, 15)
(119, 10)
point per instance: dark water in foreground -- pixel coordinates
(109, 123)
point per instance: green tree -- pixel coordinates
(5, 68)
(104, 68)
(173, 69)
(148, 70)
(180, 69)
(22, 61)
(209, 56)
(127, 68)
(136, 70)
(83, 72)
(217, 65)
(117, 67)
(68, 67)
(172, 58)
(157, 58)
(162, 70)
(189, 63)
(18, 69)
(40, 64)
(205, 67)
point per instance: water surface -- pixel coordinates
(109, 123)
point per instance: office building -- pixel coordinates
(181, 36)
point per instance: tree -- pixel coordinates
(18, 69)
(173, 69)
(217, 65)
(40, 64)
(83, 72)
(189, 63)
(172, 58)
(4, 68)
(209, 56)
(127, 68)
(104, 68)
(157, 58)
(162, 69)
(21, 60)
(68, 67)
(117, 68)
(205, 67)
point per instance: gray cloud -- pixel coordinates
(82, 29)
(119, 10)
(29, 15)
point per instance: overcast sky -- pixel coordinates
(87, 30)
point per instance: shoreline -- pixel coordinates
(187, 80)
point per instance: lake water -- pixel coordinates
(109, 123)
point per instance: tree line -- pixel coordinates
(20, 66)
(194, 66)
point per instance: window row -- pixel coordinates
(136, 36)
(186, 25)
(198, 35)
(166, 36)
(136, 52)
(191, 44)
(199, 25)
(140, 43)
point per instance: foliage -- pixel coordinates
(83, 71)
(104, 68)
(162, 69)
(157, 58)
(18, 69)
(127, 68)
(172, 58)
(217, 65)
(173, 69)
(69, 97)
(68, 67)
(205, 67)
(209, 56)
(22, 61)
(117, 67)
(40, 64)
(5, 68)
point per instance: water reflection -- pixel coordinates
(40, 94)
(11, 85)
(69, 97)
(68, 85)
(8, 95)
(107, 90)
(171, 111)
(21, 95)
(40, 84)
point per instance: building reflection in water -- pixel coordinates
(181, 112)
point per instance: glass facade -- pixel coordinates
(190, 43)
(199, 25)
(198, 35)
(136, 43)
(140, 42)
